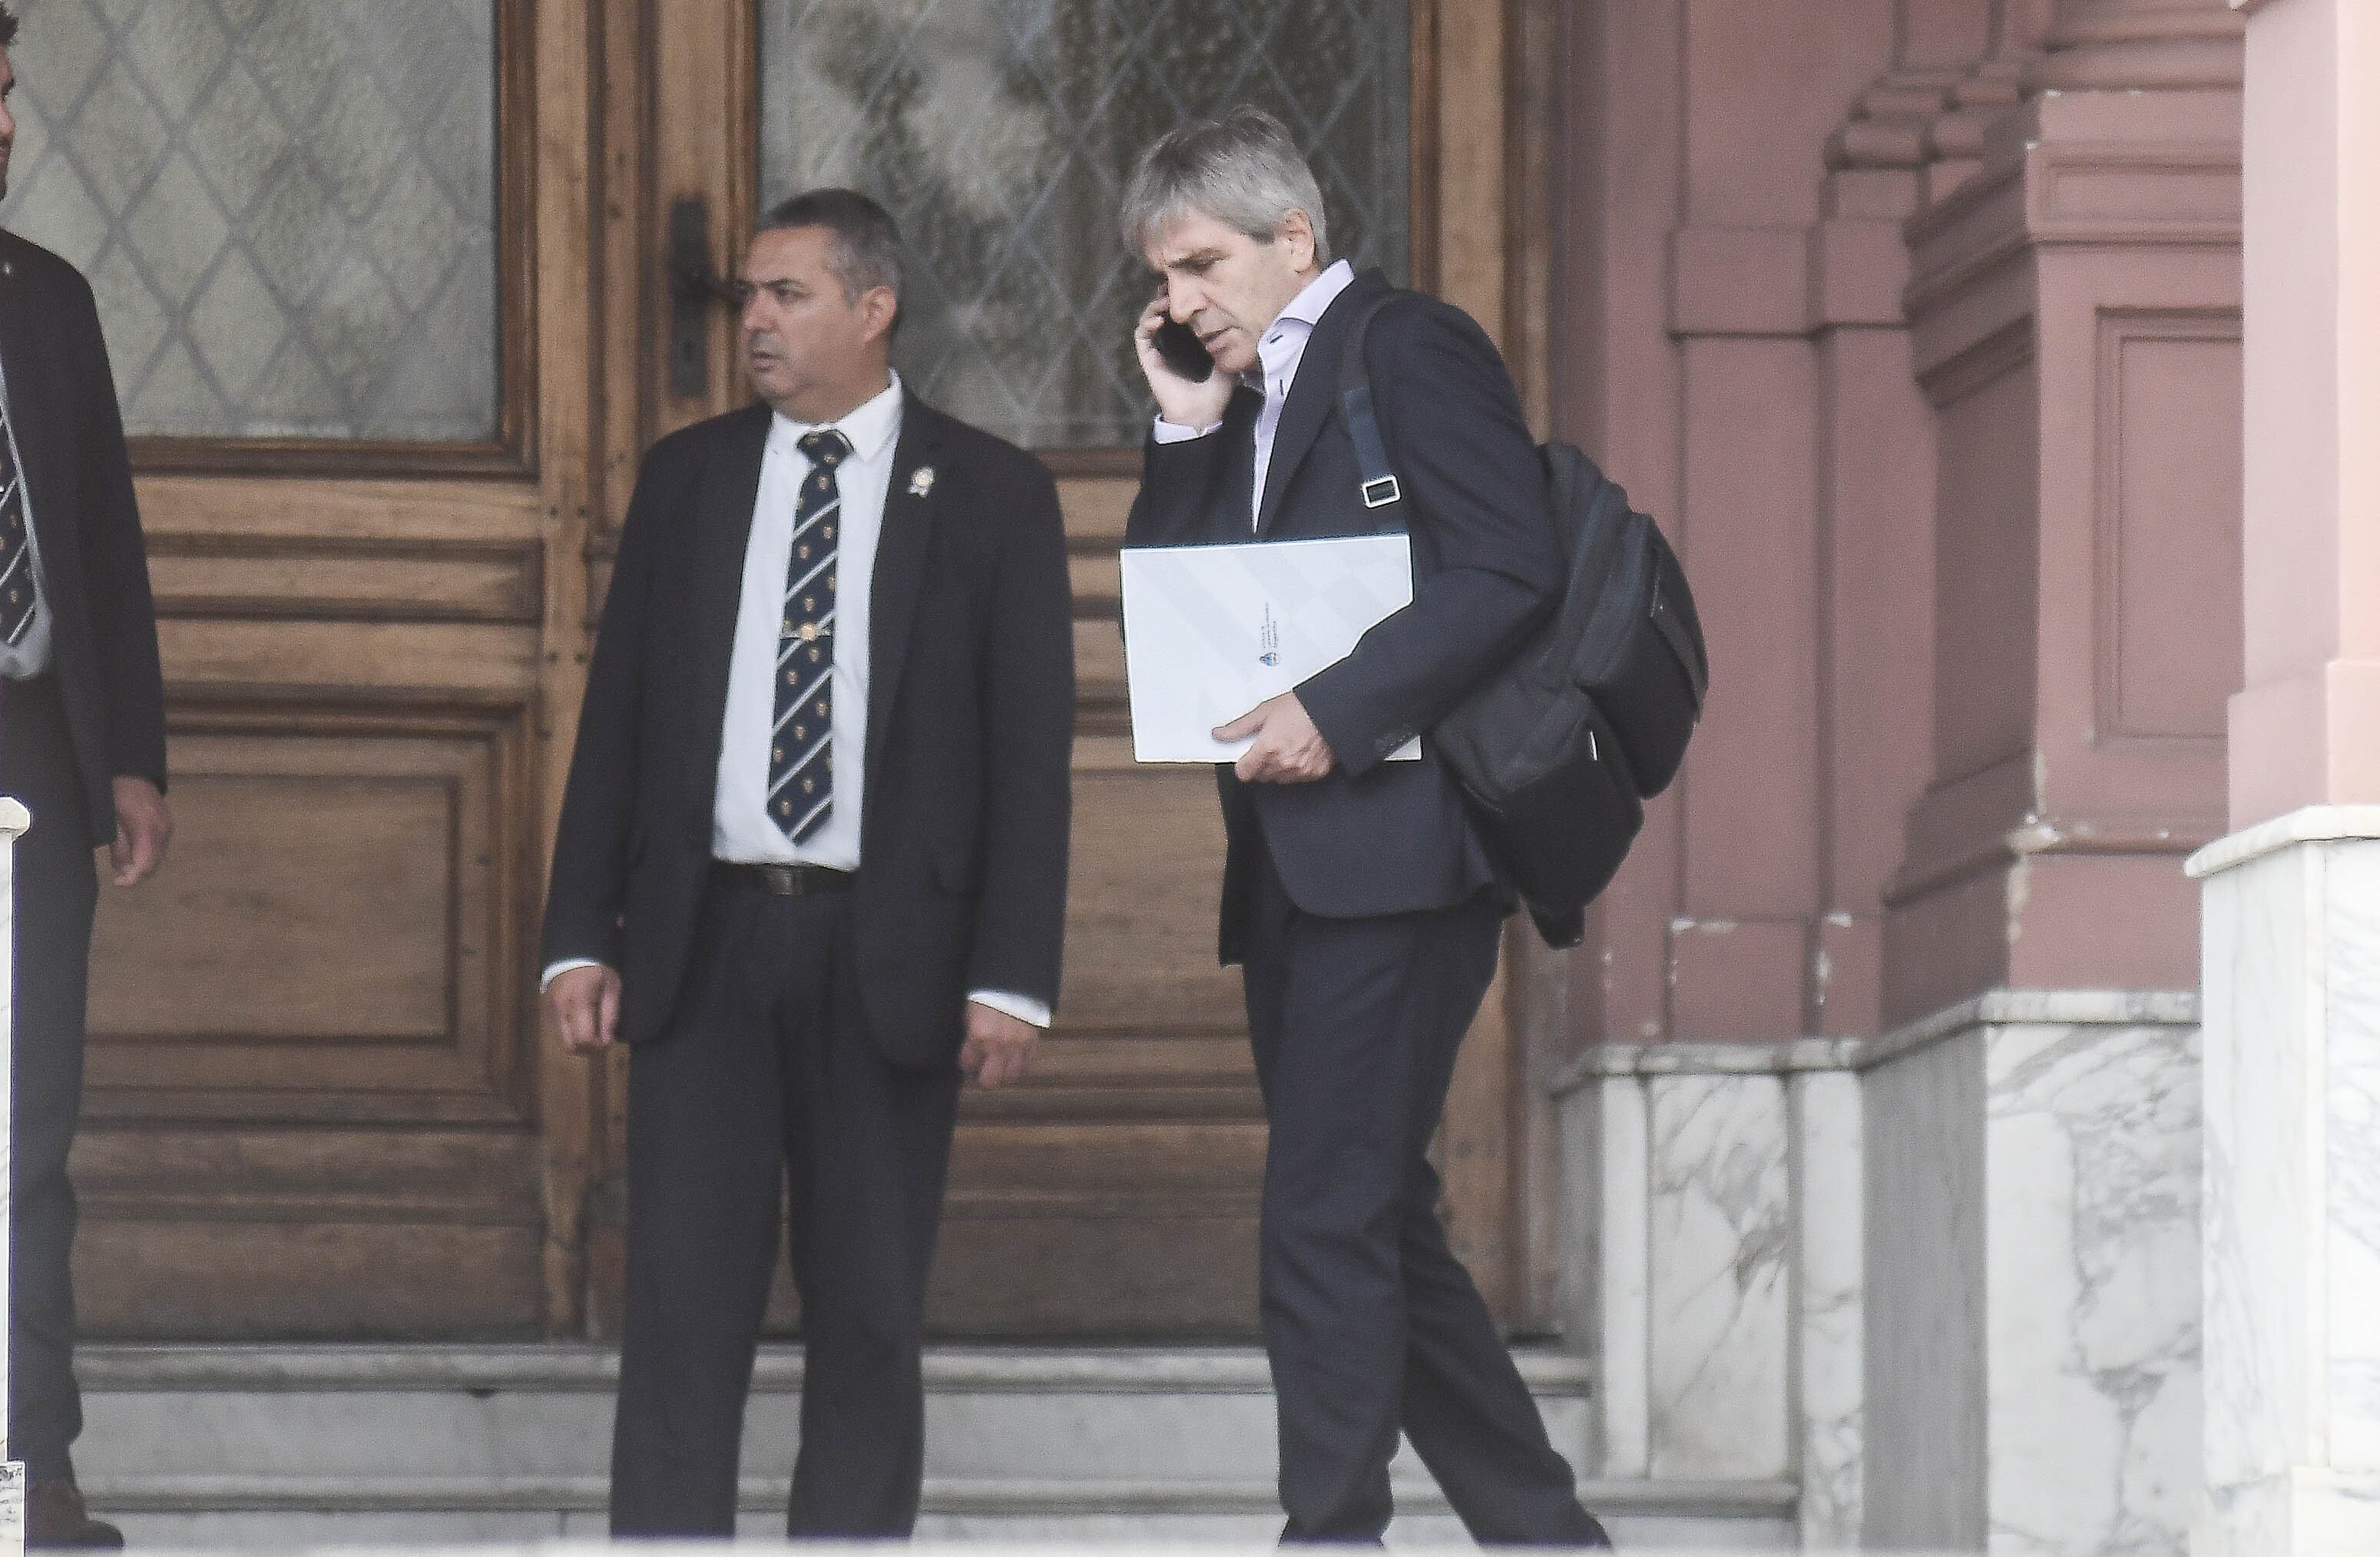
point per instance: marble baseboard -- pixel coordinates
(2291, 953)
(1690, 1303)
(2091, 1145)
(1829, 1332)
(1926, 1407)
(1945, 1282)
(1719, 1209)
(2300, 1512)
(1718, 1277)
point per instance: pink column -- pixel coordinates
(2074, 308)
(2130, 45)
(2306, 732)
(2291, 899)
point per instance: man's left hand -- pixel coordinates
(1289, 750)
(143, 828)
(998, 1048)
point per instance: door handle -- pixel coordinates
(695, 287)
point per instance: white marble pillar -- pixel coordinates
(2031, 1295)
(14, 820)
(2292, 1190)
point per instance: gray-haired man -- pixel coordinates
(1357, 893)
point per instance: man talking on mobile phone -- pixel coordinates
(1358, 897)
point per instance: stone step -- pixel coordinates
(224, 1445)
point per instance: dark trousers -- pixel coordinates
(1371, 1324)
(57, 890)
(766, 1085)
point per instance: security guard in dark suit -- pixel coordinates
(82, 744)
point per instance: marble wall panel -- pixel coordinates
(1925, 1469)
(2291, 949)
(2092, 1335)
(1830, 1305)
(1946, 1283)
(1719, 1223)
(1621, 1323)
(2352, 1101)
(2263, 1005)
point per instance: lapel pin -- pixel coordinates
(921, 481)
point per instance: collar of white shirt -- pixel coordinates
(871, 426)
(1284, 342)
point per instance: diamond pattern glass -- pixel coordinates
(287, 208)
(1000, 133)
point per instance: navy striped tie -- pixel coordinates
(16, 596)
(801, 780)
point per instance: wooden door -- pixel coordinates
(1115, 1193)
(342, 257)
(387, 292)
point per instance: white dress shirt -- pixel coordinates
(741, 828)
(29, 656)
(1279, 353)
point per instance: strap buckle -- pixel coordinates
(1381, 490)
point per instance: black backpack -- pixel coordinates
(1557, 751)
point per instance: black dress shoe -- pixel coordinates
(56, 1520)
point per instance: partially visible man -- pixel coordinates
(1357, 893)
(812, 866)
(82, 744)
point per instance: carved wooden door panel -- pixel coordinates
(339, 267)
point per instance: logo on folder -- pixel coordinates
(1268, 639)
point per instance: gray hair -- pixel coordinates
(865, 252)
(1244, 170)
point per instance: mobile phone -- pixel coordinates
(1179, 345)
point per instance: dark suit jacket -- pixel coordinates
(102, 624)
(970, 715)
(1376, 836)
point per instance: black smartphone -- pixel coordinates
(1180, 347)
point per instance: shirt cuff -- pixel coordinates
(555, 970)
(1174, 432)
(1033, 1013)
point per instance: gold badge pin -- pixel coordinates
(921, 481)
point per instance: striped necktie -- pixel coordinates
(16, 595)
(801, 780)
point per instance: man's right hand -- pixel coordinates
(1177, 400)
(586, 1003)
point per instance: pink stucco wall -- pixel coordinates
(2306, 728)
(1916, 325)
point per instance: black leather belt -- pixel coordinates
(781, 881)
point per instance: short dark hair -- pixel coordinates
(7, 27)
(867, 249)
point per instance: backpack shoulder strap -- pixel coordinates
(1379, 487)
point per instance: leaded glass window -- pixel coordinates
(287, 208)
(1000, 133)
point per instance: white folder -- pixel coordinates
(1212, 630)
